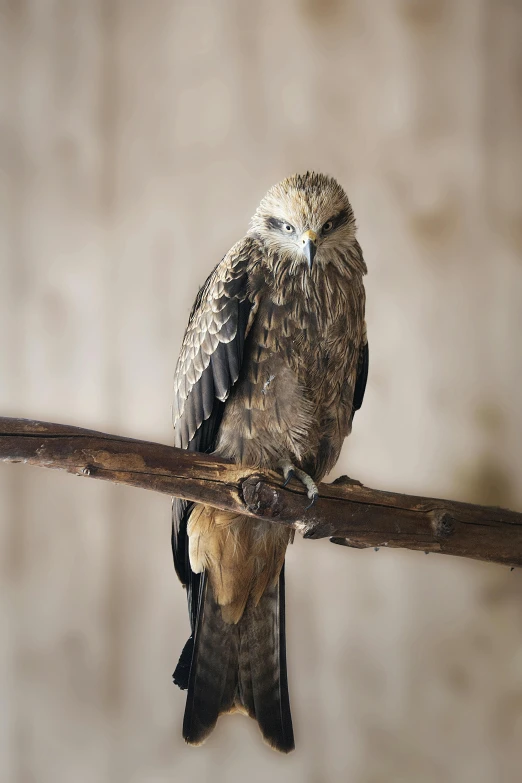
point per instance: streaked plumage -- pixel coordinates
(272, 368)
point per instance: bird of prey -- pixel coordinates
(272, 368)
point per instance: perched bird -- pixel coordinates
(272, 368)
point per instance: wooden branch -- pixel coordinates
(346, 511)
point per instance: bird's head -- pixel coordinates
(306, 221)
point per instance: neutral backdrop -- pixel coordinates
(136, 140)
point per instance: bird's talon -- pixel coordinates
(288, 477)
(291, 472)
(313, 498)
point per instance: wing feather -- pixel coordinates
(362, 375)
(212, 349)
(208, 367)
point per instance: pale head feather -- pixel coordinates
(308, 202)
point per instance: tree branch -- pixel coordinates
(346, 511)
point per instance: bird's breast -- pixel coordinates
(294, 363)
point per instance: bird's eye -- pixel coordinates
(327, 226)
(288, 228)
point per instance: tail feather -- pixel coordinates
(215, 644)
(240, 667)
(266, 684)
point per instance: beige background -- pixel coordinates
(136, 139)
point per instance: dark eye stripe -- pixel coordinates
(341, 219)
(278, 225)
(274, 223)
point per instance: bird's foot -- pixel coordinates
(290, 471)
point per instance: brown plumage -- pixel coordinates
(272, 368)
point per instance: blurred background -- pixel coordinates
(136, 140)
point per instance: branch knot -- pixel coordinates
(443, 523)
(261, 498)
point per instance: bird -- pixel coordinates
(272, 368)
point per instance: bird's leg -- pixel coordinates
(290, 471)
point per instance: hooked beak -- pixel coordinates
(309, 246)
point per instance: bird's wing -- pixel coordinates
(362, 374)
(212, 349)
(207, 369)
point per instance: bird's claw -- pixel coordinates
(290, 471)
(313, 499)
(289, 475)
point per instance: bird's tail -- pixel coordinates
(238, 667)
